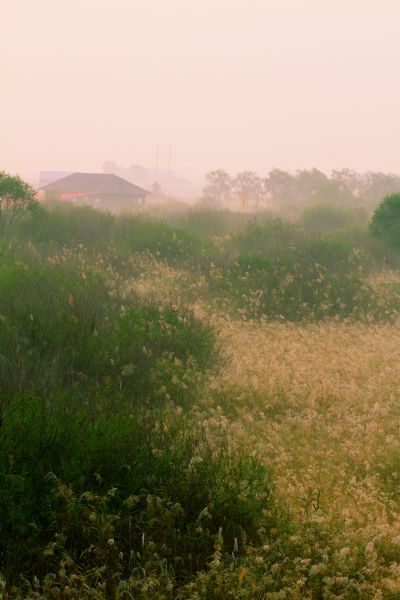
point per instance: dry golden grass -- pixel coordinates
(322, 402)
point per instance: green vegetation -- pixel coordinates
(136, 459)
(16, 198)
(385, 223)
(325, 218)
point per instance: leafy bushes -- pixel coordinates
(148, 483)
(293, 287)
(63, 224)
(17, 198)
(176, 246)
(385, 223)
(64, 329)
(263, 267)
(315, 279)
(120, 474)
(91, 382)
(273, 238)
(325, 218)
(212, 222)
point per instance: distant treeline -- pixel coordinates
(304, 187)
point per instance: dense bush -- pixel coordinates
(315, 279)
(90, 382)
(17, 198)
(63, 224)
(121, 473)
(147, 483)
(66, 329)
(212, 222)
(176, 246)
(385, 222)
(325, 218)
(273, 238)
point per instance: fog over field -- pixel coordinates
(199, 300)
(228, 84)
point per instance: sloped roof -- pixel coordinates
(96, 183)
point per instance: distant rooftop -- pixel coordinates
(96, 183)
(46, 177)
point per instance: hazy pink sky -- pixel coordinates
(237, 84)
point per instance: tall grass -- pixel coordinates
(149, 449)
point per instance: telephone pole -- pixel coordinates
(156, 162)
(163, 155)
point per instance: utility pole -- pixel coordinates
(163, 156)
(157, 162)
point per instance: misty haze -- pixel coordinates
(199, 300)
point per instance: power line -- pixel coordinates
(167, 155)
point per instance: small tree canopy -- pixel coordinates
(219, 185)
(16, 198)
(385, 223)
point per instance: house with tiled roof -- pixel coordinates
(104, 190)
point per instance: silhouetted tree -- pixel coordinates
(279, 187)
(219, 185)
(16, 199)
(248, 187)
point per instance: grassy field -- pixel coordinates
(203, 406)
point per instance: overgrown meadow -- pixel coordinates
(199, 404)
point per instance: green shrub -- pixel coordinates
(212, 222)
(317, 279)
(325, 218)
(90, 382)
(62, 329)
(156, 485)
(63, 224)
(385, 222)
(17, 199)
(108, 488)
(176, 246)
(272, 238)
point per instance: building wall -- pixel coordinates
(105, 201)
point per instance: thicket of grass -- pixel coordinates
(91, 381)
(118, 493)
(176, 246)
(60, 225)
(117, 479)
(65, 225)
(255, 265)
(104, 475)
(211, 222)
(61, 327)
(275, 269)
(325, 218)
(316, 279)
